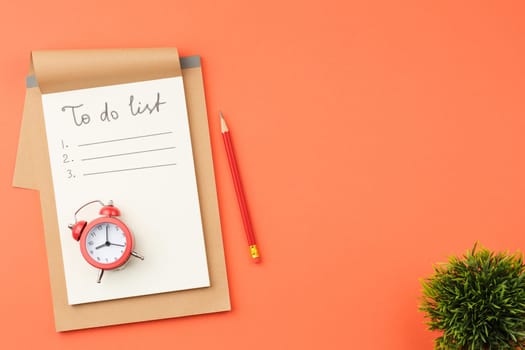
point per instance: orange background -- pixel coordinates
(374, 139)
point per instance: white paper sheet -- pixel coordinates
(129, 143)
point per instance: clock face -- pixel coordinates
(106, 243)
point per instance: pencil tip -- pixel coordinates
(224, 127)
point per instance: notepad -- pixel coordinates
(129, 143)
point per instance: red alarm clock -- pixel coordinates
(105, 242)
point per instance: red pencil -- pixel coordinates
(239, 191)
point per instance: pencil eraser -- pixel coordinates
(257, 260)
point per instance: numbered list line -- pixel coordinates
(128, 153)
(129, 169)
(124, 139)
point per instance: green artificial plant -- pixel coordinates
(477, 301)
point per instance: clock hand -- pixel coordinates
(107, 234)
(100, 246)
(119, 245)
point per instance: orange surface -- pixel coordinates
(374, 139)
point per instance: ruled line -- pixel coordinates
(129, 169)
(125, 138)
(128, 153)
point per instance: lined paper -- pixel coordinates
(129, 143)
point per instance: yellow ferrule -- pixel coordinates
(254, 252)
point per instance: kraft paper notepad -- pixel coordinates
(96, 69)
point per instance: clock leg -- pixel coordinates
(137, 255)
(100, 274)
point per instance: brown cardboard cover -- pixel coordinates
(78, 69)
(62, 70)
